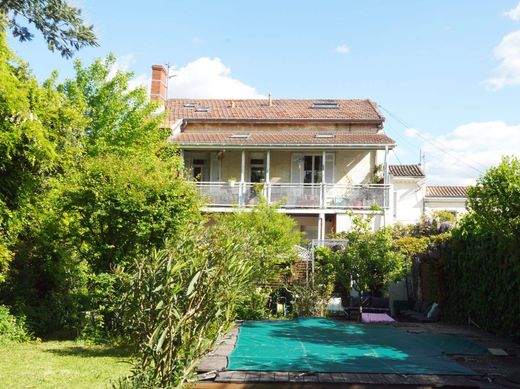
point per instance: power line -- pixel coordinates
(442, 150)
(395, 154)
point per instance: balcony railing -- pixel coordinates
(296, 196)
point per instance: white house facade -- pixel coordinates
(322, 160)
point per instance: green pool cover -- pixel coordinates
(323, 345)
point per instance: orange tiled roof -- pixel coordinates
(281, 138)
(406, 170)
(281, 110)
(446, 191)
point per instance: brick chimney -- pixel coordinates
(159, 86)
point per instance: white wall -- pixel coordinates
(406, 200)
(456, 205)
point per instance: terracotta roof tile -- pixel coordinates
(406, 171)
(281, 110)
(446, 191)
(281, 138)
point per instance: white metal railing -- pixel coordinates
(299, 196)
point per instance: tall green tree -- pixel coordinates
(37, 140)
(495, 199)
(372, 258)
(60, 23)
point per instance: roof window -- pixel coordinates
(325, 135)
(325, 105)
(202, 109)
(190, 105)
(240, 136)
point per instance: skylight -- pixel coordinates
(325, 105)
(202, 109)
(325, 135)
(240, 136)
(190, 105)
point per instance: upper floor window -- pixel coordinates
(325, 105)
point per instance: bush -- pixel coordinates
(12, 329)
(483, 266)
(270, 240)
(309, 300)
(253, 305)
(179, 300)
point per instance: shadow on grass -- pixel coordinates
(87, 351)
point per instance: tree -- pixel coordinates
(60, 23)
(372, 259)
(273, 235)
(89, 183)
(37, 141)
(495, 199)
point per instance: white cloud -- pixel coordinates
(507, 73)
(411, 132)
(514, 13)
(453, 158)
(208, 78)
(122, 64)
(143, 80)
(342, 49)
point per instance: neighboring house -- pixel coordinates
(449, 198)
(321, 158)
(408, 190)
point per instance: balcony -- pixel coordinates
(295, 196)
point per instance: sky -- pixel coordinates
(446, 74)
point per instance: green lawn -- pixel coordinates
(60, 364)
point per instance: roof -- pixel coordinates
(447, 191)
(406, 171)
(280, 110)
(281, 138)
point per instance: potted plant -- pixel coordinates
(232, 181)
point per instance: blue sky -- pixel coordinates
(450, 70)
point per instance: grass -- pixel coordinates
(61, 364)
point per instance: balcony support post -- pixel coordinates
(385, 185)
(241, 191)
(268, 176)
(321, 226)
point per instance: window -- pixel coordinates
(202, 109)
(190, 105)
(325, 135)
(257, 170)
(312, 169)
(325, 105)
(240, 136)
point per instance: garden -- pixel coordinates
(109, 269)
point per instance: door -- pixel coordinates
(257, 170)
(312, 169)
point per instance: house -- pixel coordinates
(448, 198)
(321, 159)
(411, 197)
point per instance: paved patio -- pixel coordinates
(492, 371)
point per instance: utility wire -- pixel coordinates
(395, 155)
(442, 150)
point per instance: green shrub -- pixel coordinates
(482, 269)
(179, 300)
(12, 329)
(309, 300)
(253, 305)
